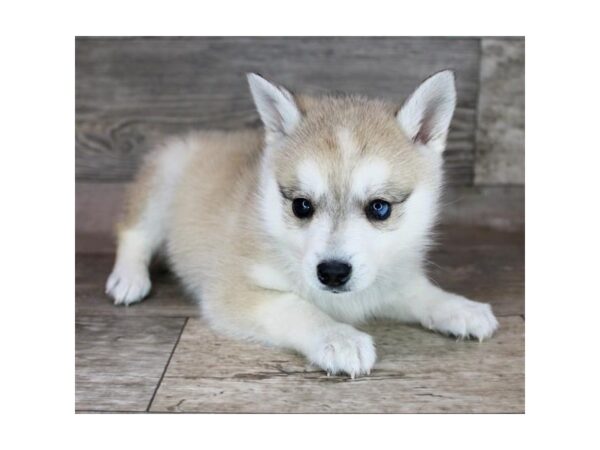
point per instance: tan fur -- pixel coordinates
(217, 190)
(217, 193)
(317, 138)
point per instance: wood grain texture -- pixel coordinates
(119, 360)
(132, 91)
(500, 156)
(417, 371)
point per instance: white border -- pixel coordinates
(37, 159)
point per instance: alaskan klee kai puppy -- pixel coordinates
(291, 235)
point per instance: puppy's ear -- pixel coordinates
(426, 114)
(276, 106)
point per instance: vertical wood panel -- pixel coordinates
(500, 151)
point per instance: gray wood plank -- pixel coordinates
(417, 371)
(501, 207)
(119, 360)
(98, 206)
(500, 156)
(132, 91)
(483, 265)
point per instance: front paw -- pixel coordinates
(127, 285)
(462, 318)
(344, 349)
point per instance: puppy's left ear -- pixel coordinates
(425, 116)
(276, 106)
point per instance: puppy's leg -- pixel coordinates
(129, 281)
(438, 310)
(144, 228)
(286, 320)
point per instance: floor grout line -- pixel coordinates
(167, 364)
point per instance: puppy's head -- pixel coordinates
(349, 186)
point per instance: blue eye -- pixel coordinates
(378, 210)
(302, 208)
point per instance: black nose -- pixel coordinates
(334, 273)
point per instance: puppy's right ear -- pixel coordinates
(276, 107)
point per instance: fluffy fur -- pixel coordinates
(220, 205)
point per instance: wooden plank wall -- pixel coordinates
(130, 91)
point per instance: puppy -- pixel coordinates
(293, 234)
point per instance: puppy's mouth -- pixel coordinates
(336, 290)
